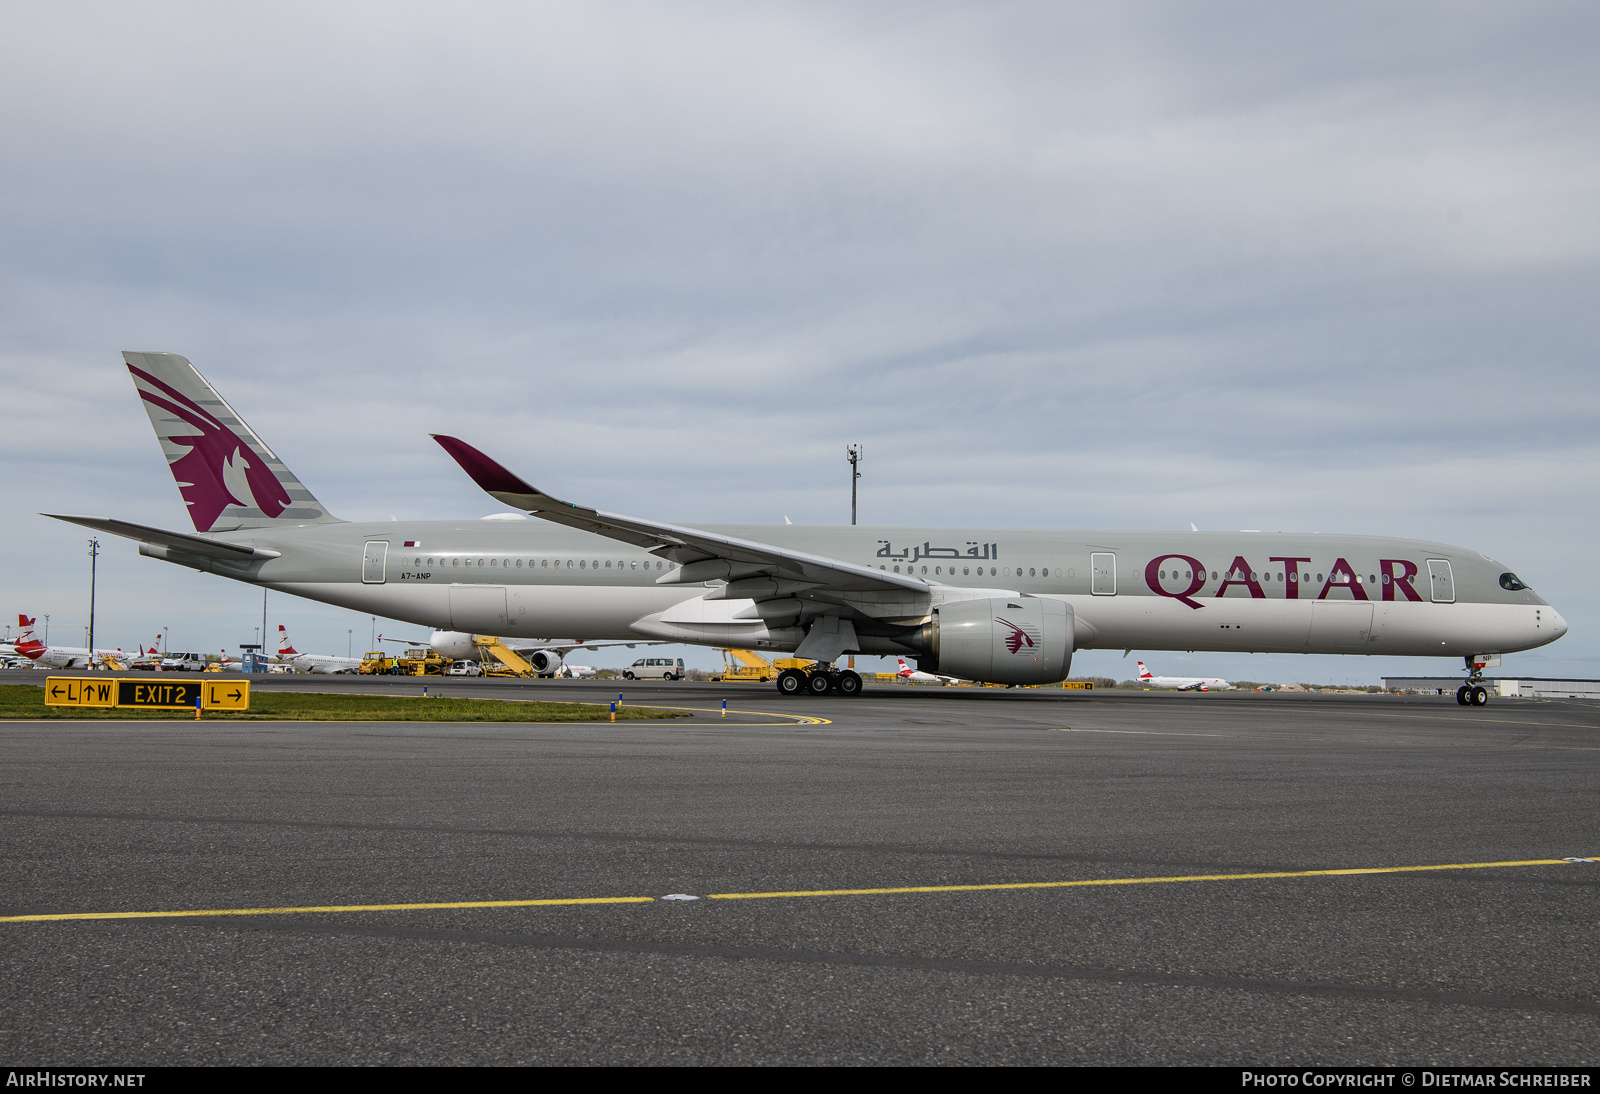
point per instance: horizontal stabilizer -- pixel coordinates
(194, 545)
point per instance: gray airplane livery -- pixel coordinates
(997, 605)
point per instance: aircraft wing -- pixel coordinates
(741, 558)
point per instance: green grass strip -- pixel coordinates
(27, 701)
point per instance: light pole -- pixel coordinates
(853, 454)
(349, 642)
(47, 628)
(94, 560)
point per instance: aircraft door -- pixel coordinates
(1443, 581)
(373, 561)
(1103, 568)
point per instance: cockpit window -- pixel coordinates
(1511, 583)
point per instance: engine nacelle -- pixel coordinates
(1006, 640)
(545, 662)
(454, 645)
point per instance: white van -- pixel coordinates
(654, 668)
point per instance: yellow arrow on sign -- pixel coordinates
(226, 695)
(74, 691)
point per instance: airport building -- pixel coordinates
(1524, 687)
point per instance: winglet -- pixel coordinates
(489, 475)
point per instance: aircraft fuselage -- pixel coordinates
(1193, 591)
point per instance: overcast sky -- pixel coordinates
(1288, 267)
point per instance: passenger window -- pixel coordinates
(608, 564)
(1319, 577)
(924, 569)
(1044, 572)
(1386, 579)
(897, 569)
(455, 562)
(1372, 579)
(965, 571)
(493, 562)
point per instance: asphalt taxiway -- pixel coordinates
(1107, 877)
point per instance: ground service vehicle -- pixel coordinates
(655, 668)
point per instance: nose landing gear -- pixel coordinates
(1473, 693)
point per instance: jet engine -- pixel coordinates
(1005, 640)
(454, 645)
(545, 662)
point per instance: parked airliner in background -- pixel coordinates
(62, 657)
(547, 656)
(996, 605)
(325, 664)
(1184, 683)
(915, 676)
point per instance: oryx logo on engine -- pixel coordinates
(1020, 637)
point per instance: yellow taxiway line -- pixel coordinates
(1141, 880)
(331, 908)
(799, 719)
(888, 891)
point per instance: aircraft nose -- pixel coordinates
(1558, 625)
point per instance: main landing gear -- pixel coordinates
(1473, 693)
(819, 681)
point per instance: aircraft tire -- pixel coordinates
(791, 682)
(1462, 695)
(819, 683)
(1480, 696)
(849, 684)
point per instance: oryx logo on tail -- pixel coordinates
(227, 475)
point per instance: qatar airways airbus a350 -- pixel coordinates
(997, 605)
